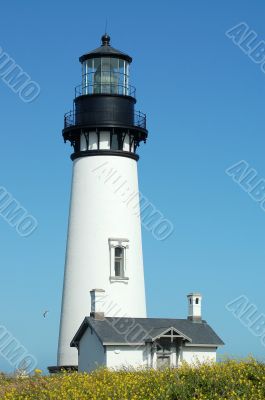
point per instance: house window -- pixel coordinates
(119, 262)
(118, 250)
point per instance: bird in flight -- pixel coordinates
(45, 313)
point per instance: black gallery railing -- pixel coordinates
(73, 118)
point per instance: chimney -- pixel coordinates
(194, 307)
(97, 303)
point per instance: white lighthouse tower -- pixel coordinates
(104, 245)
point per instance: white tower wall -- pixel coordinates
(98, 220)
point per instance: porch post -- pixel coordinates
(180, 356)
(173, 356)
(149, 354)
(154, 355)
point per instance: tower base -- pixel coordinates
(61, 368)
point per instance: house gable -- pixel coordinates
(171, 333)
(91, 352)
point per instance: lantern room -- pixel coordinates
(103, 119)
(105, 70)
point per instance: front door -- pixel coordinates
(163, 361)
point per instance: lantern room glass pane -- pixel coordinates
(114, 75)
(126, 83)
(105, 75)
(89, 64)
(121, 66)
(121, 75)
(96, 64)
(114, 64)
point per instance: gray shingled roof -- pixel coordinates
(139, 330)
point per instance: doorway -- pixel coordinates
(163, 361)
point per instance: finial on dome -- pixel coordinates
(105, 40)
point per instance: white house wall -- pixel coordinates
(93, 356)
(193, 355)
(91, 352)
(126, 356)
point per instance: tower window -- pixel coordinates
(119, 259)
(119, 262)
(197, 300)
(116, 142)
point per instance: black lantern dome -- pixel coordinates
(103, 120)
(105, 50)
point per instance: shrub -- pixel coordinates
(230, 380)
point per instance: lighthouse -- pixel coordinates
(104, 260)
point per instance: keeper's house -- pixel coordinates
(143, 342)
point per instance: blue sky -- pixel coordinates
(204, 99)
